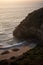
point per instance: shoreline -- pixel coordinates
(13, 46)
(22, 49)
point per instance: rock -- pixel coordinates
(31, 26)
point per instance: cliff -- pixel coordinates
(32, 57)
(31, 26)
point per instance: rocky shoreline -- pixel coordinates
(31, 26)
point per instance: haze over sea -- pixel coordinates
(11, 15)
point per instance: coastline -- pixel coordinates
(22, 49)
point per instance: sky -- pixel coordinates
(18, 1)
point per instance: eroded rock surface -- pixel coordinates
(31, 26)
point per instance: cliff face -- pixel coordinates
(31, 26)
(32, 57)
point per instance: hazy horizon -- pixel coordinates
(18, 1)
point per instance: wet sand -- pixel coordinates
(21, 50)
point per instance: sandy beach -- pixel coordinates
(12, 53)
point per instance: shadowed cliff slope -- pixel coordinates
(31, 26)
(32, 57)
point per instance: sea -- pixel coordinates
(10, 16)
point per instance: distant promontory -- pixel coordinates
(31, 26)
